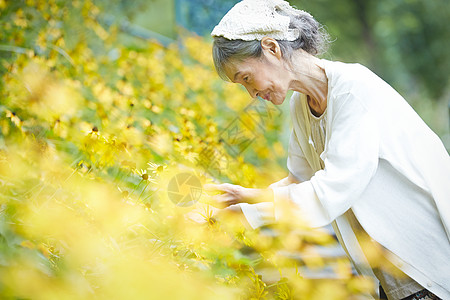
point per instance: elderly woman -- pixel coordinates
(359, 157)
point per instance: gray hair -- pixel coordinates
(313, 39)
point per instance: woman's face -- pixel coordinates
(264, 76)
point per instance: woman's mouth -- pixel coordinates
(266, 96)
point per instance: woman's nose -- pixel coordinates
(253, 93)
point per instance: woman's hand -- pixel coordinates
(235, 194)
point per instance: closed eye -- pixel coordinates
(245, 78)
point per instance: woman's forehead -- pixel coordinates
(232, 70)
(234, 66)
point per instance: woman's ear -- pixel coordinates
(271, 46)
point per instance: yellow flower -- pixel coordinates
(14, 118)
(155, 168)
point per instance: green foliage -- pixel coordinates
(416, 35)
(406, 42)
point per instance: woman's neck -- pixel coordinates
(308, 77)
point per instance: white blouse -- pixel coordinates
(394, 287)
(382, 161)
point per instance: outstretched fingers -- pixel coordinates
(230, 194)
(225, 200)
(223, 187)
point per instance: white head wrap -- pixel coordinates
(254, 19)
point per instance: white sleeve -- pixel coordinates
(259, 214)
(351, 160)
